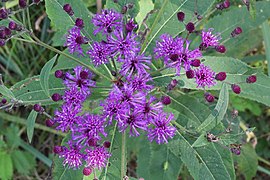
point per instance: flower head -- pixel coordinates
(209, 39)
(66, 117)
(99, 53)
(107, 21)
(125, 46)
(97, 157)
(133, 120)
(166, 47)
(205, 76)
(74, 96)
(74, 40)
(81, 80)
(162, 130)
(135, 64)
(89, 127)
(72, 156)
(139, 82)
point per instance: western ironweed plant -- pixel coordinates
(150, 84)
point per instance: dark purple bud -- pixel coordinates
(166, 100)
(221, 76)
(220, 6)
(199, 17)
(195, 63)
(87, 171)
(2, 42)
(251, 79)
(56, 97)
(68, 9)
(124, 9)
(49, 122)
(4, 101)
(92, 142)
(12, 25)
(80, 40)
(190, 74)
(130, 26)
(236, 31)
(113, 73)
(190, 27)
(79, 23)
(174, 57)
(37, 108)
(209, 97)
(59, 74)
(181, 16)
(236, 151)
(221, 49)
(57, 149)
(174, 82)
(7, 32)
(3, 13)
(236, 89)
(226, 4)
(84, 75)
(22, 3)
(107, 144)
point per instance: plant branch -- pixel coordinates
(123, 156)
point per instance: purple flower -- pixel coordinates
(205, 76)
(66, 117)
(74, 96)
(135, 64)
(97, 157)
(139, 82)
(209, 39)
(74, 40)
(162, 130)
(99, 53)
(82, 79)
(88, 127)
(107, 21)
(183, 56)
(149, 108)
(127, 94)
(125, 46)
(133, 120)
(167, 46)
(72, 156)
(113, 109)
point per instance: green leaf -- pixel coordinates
(163, 163)
(266, 38)
(36, 153)
(30, 124)
(237, 71)
(6, 92)
(207, 162)
(44, 75)
(62, 22)
(113, 168)
(12, 136)
(165, 20)
(121, 3)
(145, 7)
(30, 91)
(218, 113)
(189, 108)
(231, 19)
(247, 161)
(6, 166)
(23, 162)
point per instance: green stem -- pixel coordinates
(68, 56)
(159, 70)
(23, 122)
(123, 155)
